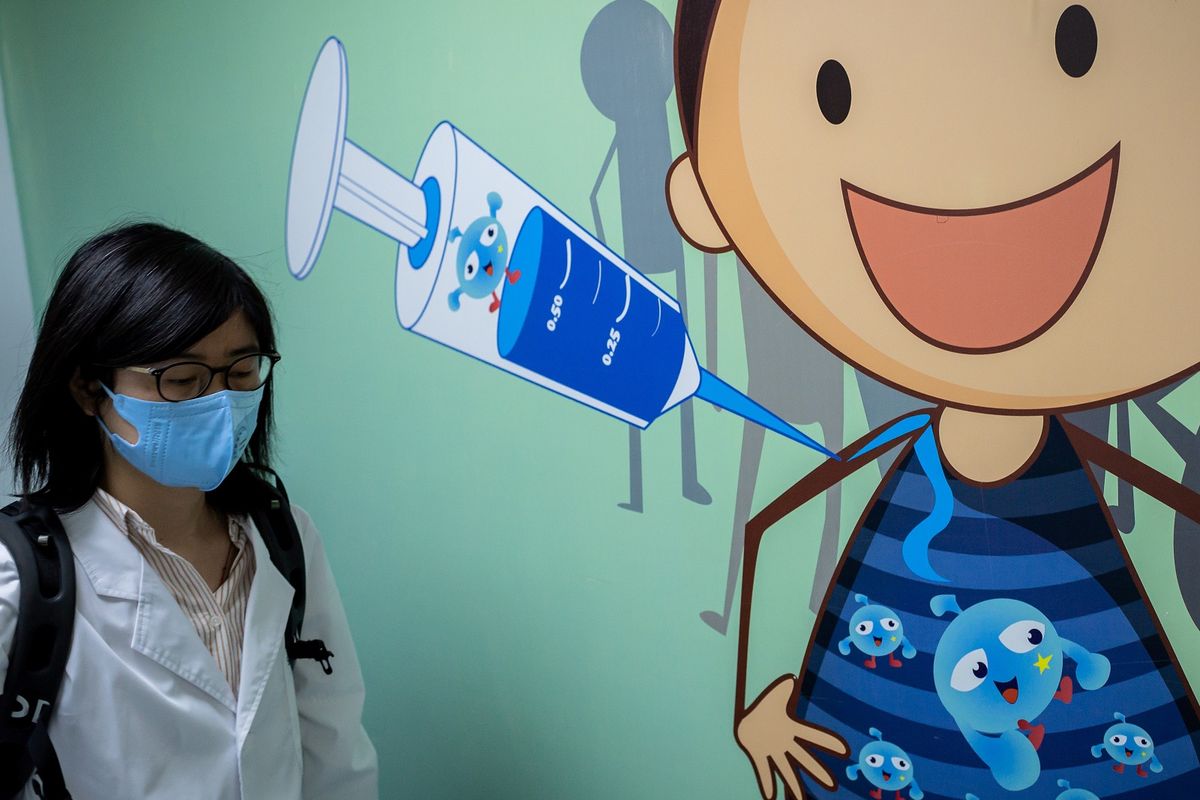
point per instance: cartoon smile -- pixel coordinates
(1128, 753)
(878, 640)
(887, 776)
(1008, 690)
(489, 269)
(984, 279)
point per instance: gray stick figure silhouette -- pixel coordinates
(1186, 443)
(626, 64)
(795, 376)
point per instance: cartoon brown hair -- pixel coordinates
(693, 23)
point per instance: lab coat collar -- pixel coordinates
(266, 618)
(163, 633)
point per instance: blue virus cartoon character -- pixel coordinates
(1128, 745)
(997, 667)
(1074, 794)
(482, 261)
(886, 767)
(877, 631)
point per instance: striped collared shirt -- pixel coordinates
(219, 617)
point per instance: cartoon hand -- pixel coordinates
(908, 651)
(844, 646)
(774, 741)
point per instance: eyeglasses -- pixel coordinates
(188, 380)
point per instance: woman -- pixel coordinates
(147, 396)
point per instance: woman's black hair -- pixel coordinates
(693, 27)
(134, 294)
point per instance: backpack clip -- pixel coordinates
(314, 649)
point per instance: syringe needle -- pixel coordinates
(720, 393)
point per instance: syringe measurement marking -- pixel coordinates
(614, 338)
(625, 310)
(555, 313)
(556, 306)
(566, 277)
(599, 275)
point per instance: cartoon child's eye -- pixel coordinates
(889, 623)
(1142, 741)
(875, 760)
(1075, 41)
(471, 266)
(900, 763)
(970, 671)
(1023, 636)
(489, 236)
(833, 91)
(864, 627)
(1117, 739)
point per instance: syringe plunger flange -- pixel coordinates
(330, 171)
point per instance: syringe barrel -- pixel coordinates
(559, 308)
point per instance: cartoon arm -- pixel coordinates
(852, 772)
(906, 648)
(1091, 669)
(1155, 764)
(914, 791)
(765, 730)
(1098, 750)
(844, 646)
(1126, 467)
(455, 302)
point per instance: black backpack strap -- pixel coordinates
(277, 527)
(39, 547)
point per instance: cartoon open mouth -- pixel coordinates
(878, 641)
(489, 269)
(887, 776)
(1128, 753)
(1008, 690)
(984, 279)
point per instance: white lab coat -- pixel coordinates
(144, 712)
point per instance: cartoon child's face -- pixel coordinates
(983, 203)
(885, 765)
(1128, 744)
(998, 662)
(876, 630)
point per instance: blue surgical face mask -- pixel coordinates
(193, 443)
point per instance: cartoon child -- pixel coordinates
(997, 667)
(877, 631)
(886, 767)
(992, 207)
(482, 260)
(1128, 744)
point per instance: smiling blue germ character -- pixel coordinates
(482, 262)
(877, 631)
(1128, 745)
(997, 667)
(886, 767)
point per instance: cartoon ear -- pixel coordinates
(876, 733)
(455, 234)
(944, 604)
(1118, 716)
(494, 203)
(690, 209)
(862, 598)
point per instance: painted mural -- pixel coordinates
(984, 209)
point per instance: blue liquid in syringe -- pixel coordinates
(584, 321)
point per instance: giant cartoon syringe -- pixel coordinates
(558, 308)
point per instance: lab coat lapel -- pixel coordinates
(164, 634)
(266, 618)
(161, 631)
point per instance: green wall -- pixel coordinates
(520, 635)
